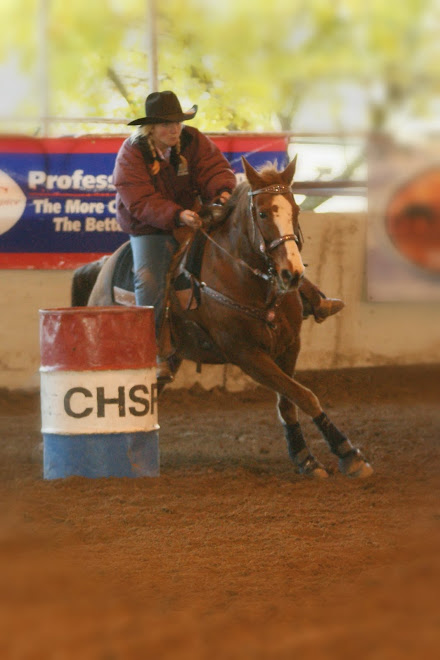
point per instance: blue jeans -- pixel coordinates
(152, 255)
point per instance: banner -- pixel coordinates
(403, 221)
(57, 200)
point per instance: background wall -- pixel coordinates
(363, 334)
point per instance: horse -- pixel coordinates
(243, 305)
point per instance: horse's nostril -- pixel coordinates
(290, 279)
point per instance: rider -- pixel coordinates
(162, 173)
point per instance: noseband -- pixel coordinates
(274, 189)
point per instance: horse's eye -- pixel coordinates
(263, 215)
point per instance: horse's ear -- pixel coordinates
(289, 172)
(251, 175)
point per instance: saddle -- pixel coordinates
(183, 276)
(123, 278)
(184, 273)
(183, 286)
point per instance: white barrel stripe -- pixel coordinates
(87, 402)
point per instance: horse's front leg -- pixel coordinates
(351, 460)
(266, 372)
(299, 452)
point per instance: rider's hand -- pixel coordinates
(191, 219)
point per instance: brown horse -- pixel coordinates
(243, 306)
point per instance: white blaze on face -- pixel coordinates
(283, 218)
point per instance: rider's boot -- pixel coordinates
(163, 371)
(326, 308)
(315, 302)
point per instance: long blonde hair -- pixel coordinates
(146, 132)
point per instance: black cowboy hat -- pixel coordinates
(161, 107)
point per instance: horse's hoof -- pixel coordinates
(355, 466)
(310, 467)
(318, 473)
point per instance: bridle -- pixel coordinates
(268, 314)
(280, 189)
(270, 275)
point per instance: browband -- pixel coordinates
(275, 188)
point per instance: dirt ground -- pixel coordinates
(230, 553)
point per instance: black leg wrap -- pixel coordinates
(295, 439)
(338, 442)
(300, 453)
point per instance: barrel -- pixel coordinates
(99, 395)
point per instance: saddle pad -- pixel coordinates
(123, 297)
(123, 279)
(186, 286)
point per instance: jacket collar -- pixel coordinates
(185, 139)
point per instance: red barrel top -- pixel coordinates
(95, 338)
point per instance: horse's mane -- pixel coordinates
(238, 205)
(239, 199)
(269, 173)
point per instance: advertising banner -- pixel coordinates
(57, 200)
(403, 254)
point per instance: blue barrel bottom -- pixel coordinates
(101, 455)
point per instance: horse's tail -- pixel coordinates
(83, 281)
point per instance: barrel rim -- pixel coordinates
(105, 309)
(50, 368)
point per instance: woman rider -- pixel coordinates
(162, 173)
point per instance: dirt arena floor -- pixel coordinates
(229, 553)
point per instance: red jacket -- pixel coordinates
(147, 203)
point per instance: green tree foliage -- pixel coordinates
(250, 65)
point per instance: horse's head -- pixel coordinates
(274, 213)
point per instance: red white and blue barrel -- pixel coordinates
(99, 392)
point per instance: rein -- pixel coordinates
(266, 315)
(255, 271)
